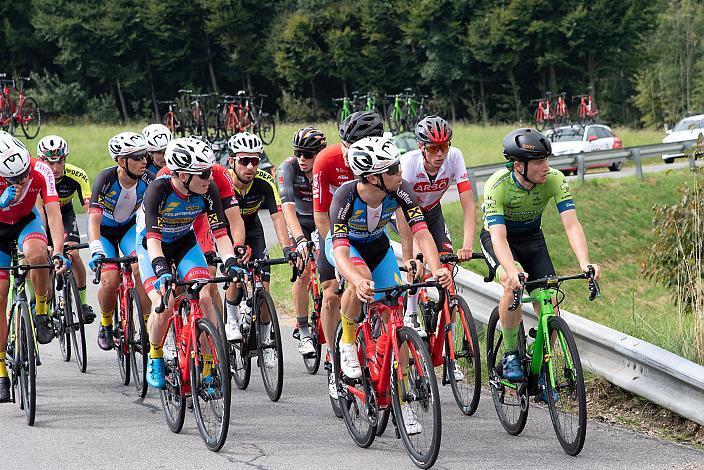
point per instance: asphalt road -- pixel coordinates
(92, 421)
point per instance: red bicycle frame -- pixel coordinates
(15, 109)
(126, 283)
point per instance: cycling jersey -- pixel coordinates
(153, 168)
(429, 190)
(28, 227)
(506, 202)
(74, 181)
(41, 183)
(329, 173)
(295, 187)
(261, 193)
(116, 204)
(352, 221)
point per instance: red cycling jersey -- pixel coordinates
(329, 172)
(41, 182)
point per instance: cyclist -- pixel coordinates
(21, 180)
(358, 245)
(118, 192)
(156, 136)
(296, 187)
(255, 190)
(165, 236)
(330, 171)
(512, 241)
(70, 181)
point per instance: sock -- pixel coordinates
(207, 365)
(349, 333)
(233, 313)
(411, 305)
(265, 332)
(42, 305)
(510, 338)
(155, 351)
(303, 327)
(404, 387)
(82, 295)
(106, 318)
(3, 367)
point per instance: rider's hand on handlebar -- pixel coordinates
(413, 266)
(232, 269)
(597, 270)
(364, 288)
(95, 261)
(513, 281)
(161, 283)
(302, 247)
(465, 254)
(243, 253)
(61, 263)
(444, 277)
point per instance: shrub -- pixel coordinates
(56, 97)
(297, 109)
(101, 109)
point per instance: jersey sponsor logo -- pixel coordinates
(420, 174)
(414, 212)
(159, 221)
(171, 206)
(192, 208)
(340, 228)
(212, 219)
(427, 187)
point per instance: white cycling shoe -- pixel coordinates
(305, 346)
(410, 422)
(232, 331)
(459, 375)
(332, 386)
(349, 364)
(411, 321)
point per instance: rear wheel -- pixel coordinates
(74, 320)
(172, 399)
(138, 344)
(266, 128)
(466, 345)
(31, 119)
(394, 119)
(269, 350)
(121, 335)
(538, 120)
(215, 125)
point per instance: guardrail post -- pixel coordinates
(635, 155)
(692, 157)
(581, 167)
(473, 180)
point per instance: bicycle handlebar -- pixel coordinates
(101, 261)
(183, 90)
(194, 286)
(80, 246)
(594, 290)
(27, 267)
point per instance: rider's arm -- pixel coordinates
(56, 225)
(273, 203)
(234, 219)
(470, 218)
(97, 206)
(321, 198)
(576, 236)
(216, 219)
(405, 235)
(288, 198)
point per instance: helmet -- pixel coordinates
(126, 143)
(188, 155)
(526, 144)
(52, 147)
(14, 156)
(361, 124)
(157, 136)
(245, 142)
(433, 130)
(372, 156)
(309, 138)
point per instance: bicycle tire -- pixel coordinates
(394, 119)
(351, 407)
(215, 124)
(74, 315)
(172, 397)
(467, 355)
(273, 383)
(538, 120)
(313, 363)
(121, 335)
(28, 365)
(5, 113)
(202, 395)
(168, 121)
(515, 423)
(574, 383)
(383, 421)
(31, 118)
(241, 360)
(422, 377)
(138, 343)
(62, 332)
(334, 402)
(266, 128)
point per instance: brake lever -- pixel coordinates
(518, 293)
(594, 290)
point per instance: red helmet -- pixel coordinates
(433, 130)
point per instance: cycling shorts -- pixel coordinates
(184, 253)
(256, 241)
(529, 251)
(379, 257)
(117, 240)
(27, 228)
(326, 270)
(438, 229)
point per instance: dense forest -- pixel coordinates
(479, 60)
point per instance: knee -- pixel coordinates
(36, 255)
(109, 281)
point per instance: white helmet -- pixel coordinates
(126, 143)
(52, 148)
(245, 142)
(372, 156)
(157, 136)
(14, 156)
(188, 155)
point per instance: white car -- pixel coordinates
(689, 128)
(568, 140)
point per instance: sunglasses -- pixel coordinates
(394, 169)
(50, 159)
(205, 174)
(137, 157)
(435, 148)
(19, 178)
(246, 161)
(304, 154)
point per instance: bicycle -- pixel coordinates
(24, 113)
(405, 111)
(381, 349)
(129, 326)
(22, 349)
(455, 342)
(544, 112)
(345, 109)
(551, 365)
(262, 123)
(587, 110)
(190, 370)
(366, 102)
(197, 121)
(257, 303)
(315, 302)
(223, 119)
(172, 118)
(68, 315)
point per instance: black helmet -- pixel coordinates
(309, 138)
(360, 125)
(526, 144)
(433, 130)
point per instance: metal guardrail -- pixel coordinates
(582, 160)
(642, 368)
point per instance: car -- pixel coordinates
(689, 128)
(568, 140)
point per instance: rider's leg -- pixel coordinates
(299, 291)
(4, 288)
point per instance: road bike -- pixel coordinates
(129, 326)
(262, 123)
(405, 111)
(261, 336)
(551, 366)
(224, 119)
(67, 317)
(562, 114)
(195, 118)
(345, 108)
(587, 110)
(172, 119)
(544, 114)
(24, 112)
(455, 342)
(366, 102)
(383, 349)
(195, 365)
(22, 349)
(315, 303)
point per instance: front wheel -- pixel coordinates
(74, 321)
(172, 397)
(538, 120)
(138, 343)
(28, 367)
(122, 334)
(394, 119)
(566, 394)
(269, 350)
(266, 128)
(466, 390)
(312, 363)
(30, 118)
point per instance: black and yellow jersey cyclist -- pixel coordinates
(512, 240)
(70, 181)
